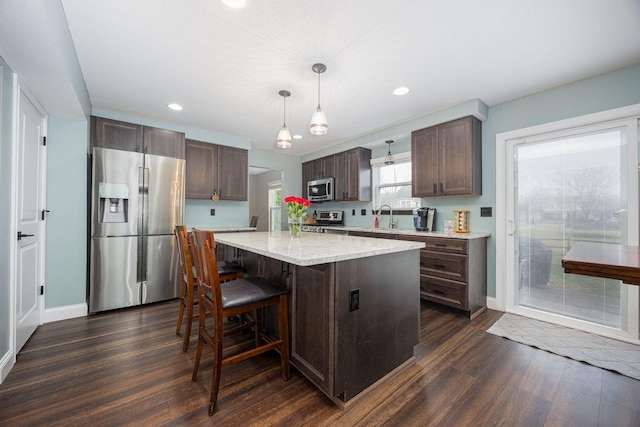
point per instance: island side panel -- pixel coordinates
(312, 324)
(378, 337)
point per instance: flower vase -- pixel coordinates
(294, 226)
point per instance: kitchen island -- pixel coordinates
(354, 304)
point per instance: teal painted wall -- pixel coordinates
(605, 92)
(66, 229)
(611, 90)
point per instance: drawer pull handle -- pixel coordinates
(439, 266)
(439, 292)
(440, 245)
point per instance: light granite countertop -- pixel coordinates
(411, 232)
(314, 248)
(228, 229)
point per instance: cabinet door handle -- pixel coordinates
(439, 266)
(435, 188)
(441, 188)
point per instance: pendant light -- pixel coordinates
(319, 124)
(389, 159)
(284, 136)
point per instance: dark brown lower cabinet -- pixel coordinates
(340, 349)
(453, 272)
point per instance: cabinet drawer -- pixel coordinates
(447, 266)
(454, 246)
(442, 291)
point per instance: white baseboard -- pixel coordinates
(6, 363)
(491, 304)
(65, 312)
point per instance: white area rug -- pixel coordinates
(596, 350)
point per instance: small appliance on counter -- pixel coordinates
(324, 218)
(423, 218)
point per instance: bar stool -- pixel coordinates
(188, 282)
(223, 300)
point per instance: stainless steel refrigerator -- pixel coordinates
(136, 201)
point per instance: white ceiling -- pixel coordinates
(226, 66)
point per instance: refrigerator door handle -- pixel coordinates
(141, 270)
(143, 292)
(144, 193)
(141, 202)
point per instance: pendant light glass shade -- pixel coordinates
(388, 160)
(319, 125)
(284, 136)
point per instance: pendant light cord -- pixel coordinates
(318, 90)
(284, 110)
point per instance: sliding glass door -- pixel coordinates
(568, 187)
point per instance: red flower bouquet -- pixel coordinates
(297, 208)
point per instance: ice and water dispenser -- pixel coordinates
(114, 202)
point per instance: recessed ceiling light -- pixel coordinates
(402, 90)
(297, 136)
(175, 107)
(235, 4)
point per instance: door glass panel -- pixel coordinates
(570, 190)
(275, 208)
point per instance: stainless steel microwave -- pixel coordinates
(320, 190)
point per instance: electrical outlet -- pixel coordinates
(486, 211)
(353, 212)
(213, 212)
(363, 212)
(354, 299)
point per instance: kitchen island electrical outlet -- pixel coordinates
(213, 212)
(353, 212)
(354, 299)
(363, 212)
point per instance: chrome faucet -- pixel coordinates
(391, 223)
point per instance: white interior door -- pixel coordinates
(30, 239)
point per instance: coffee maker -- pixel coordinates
(423, 218)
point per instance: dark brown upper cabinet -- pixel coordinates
(118, 135)
(315, 169)
(163, 142)
(446, 159)
(216, 171)
(351, 170)
(353, 175)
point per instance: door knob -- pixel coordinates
(21, 235)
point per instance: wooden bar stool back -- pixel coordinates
(187, 284)
(221, 300)
(188, 281)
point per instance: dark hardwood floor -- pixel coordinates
(127, 368)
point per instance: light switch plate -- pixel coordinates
(487, 211)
